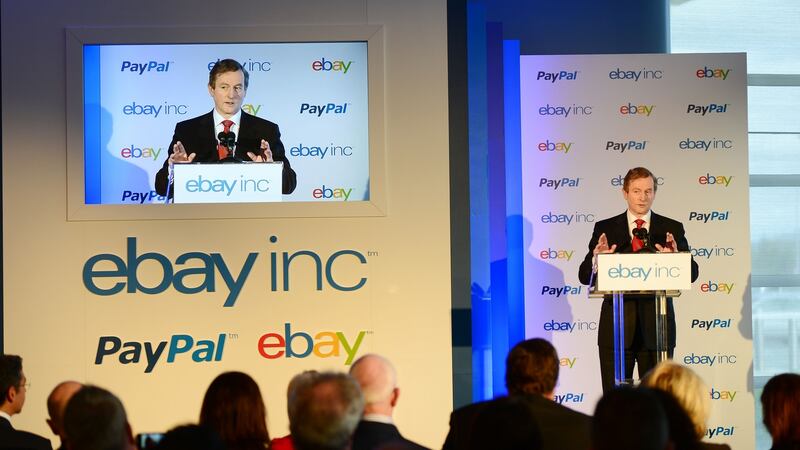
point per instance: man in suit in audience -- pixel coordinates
(13, 387)
(531, 375)
(378, 381)
(324, 411)
(96, 420)
(57, 403)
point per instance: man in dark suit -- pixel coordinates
(531, 375)
(196, 140)
(13, 386)
(95, 419)
(378, 381)
(616, 235)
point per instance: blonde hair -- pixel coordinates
(688, 389)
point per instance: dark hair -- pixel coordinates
(532, 368)
(191, 437)
(95, 420)
(225, 66)
(681, 428)
(234, 408)
(780, 401)
(507, 423)
(629, 419)
(10, 374)
(326, 412)
(635, 174)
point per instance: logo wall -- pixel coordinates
(683, 117)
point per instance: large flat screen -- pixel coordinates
(316, 92)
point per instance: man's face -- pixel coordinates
(19, 399)
(640, 195)
(228, 92)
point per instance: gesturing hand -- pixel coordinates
(179, 155)
(670, 246)
(602, 246)
(265, 151)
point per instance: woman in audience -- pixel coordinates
(781, 406)
(689, 390)
(234, 408)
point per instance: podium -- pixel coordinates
(245, 182)
(660, 275)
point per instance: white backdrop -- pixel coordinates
(586, 120)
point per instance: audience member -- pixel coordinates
(682, 435)
(325, 412)
(191, 437)
(301, 379)
(233, 407)
(56, 403)
(780, 401)
(629, 419)
(506, 424)
(95, 419)
(689, 390)
(531, 375)
(14, 386)
(378, 380)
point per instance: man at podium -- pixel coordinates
(619, 234)
(226, 133)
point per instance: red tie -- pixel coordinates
(637, 243)
(221, 149)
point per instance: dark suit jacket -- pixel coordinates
(636, 308)
(562, 428)
(372, 435)
(197, 136)
(20, 440)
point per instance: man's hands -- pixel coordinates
(266, 152)
(179, 155)
(670, 246)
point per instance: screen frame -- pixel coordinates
(76, 38)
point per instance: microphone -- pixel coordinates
(644, 236)
(228, 140)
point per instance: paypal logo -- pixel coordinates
(325, 108)
(705, 217)
(147, 66)
(557, 76)
(627, 145)
(558, 291)
(711, 324)
(711, 108)
(141, 197)
(202, 350)
(571, 397)
(559, 182)
(720, 431)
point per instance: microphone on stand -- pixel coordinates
(228, 140)
(644, 236)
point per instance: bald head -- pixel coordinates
(57, 402)
(378, 381)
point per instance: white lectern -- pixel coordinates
(245, 182)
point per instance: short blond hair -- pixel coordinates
(688, 389)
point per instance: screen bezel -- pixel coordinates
(76, 38)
